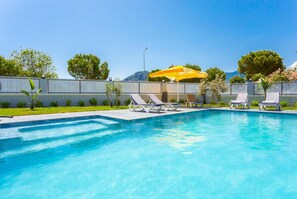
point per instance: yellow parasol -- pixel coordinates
(178, 73)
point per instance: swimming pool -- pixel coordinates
(203, 154)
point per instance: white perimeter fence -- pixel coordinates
(64, 86)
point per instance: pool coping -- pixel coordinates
(124, 115)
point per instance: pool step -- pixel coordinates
(57, 143)
(62, 131)
(55, 128)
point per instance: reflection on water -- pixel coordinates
(179, 139)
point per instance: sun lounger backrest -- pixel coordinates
(191, 98)
(242, 97)
(137, 99)
(272, 97)
(155, 99)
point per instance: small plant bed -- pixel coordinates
(52, 110)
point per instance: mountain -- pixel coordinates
(138, 76)
(229, 75)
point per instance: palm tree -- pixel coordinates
(265, 84)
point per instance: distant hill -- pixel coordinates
(138, 76)
(229, 75)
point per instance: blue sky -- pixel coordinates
(204, 32)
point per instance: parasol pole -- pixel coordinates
(177, 91)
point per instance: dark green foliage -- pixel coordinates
(295, 104)
(68, 103)
(54, 104)
(255, 103)
(93, 102)
(21, 104)
(38, 103)
(81, 103)
(213, 73)
(127, 102)
(236, 79)
(118, 102)
(173, 100)
(284, 103)
(4, 104)
(105, 102)
(87, 66)
(263, 61)
(182, 101)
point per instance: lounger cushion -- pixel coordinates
(268, 102)
(235, 101)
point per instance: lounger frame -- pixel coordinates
(138, 104)
(241, 99)
(167, 106)
(272, 99)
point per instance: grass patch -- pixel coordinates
(52, 110)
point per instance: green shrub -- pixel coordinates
(81, 103)
(21, 104)
(93, 102)
(54, 104)
(68, 103)
(295, 104)
(5, 104)
(173, 100)
(222, 103)
(213, 102)
(105, 102)
(255, 103)
(284, 103)
(38, 103)
(236, 79)
(182, 101)
(127, 102)
(118, 102)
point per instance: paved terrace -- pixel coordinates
(120, 114)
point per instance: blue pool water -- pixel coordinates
(212, 154)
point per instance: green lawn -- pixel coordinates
(51, 110)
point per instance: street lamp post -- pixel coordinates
(144, 58)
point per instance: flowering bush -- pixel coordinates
(283, 75)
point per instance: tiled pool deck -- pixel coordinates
(119, 114)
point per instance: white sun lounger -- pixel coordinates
(241, 99)
(272, 99)
(138, 104)
(169, 106)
